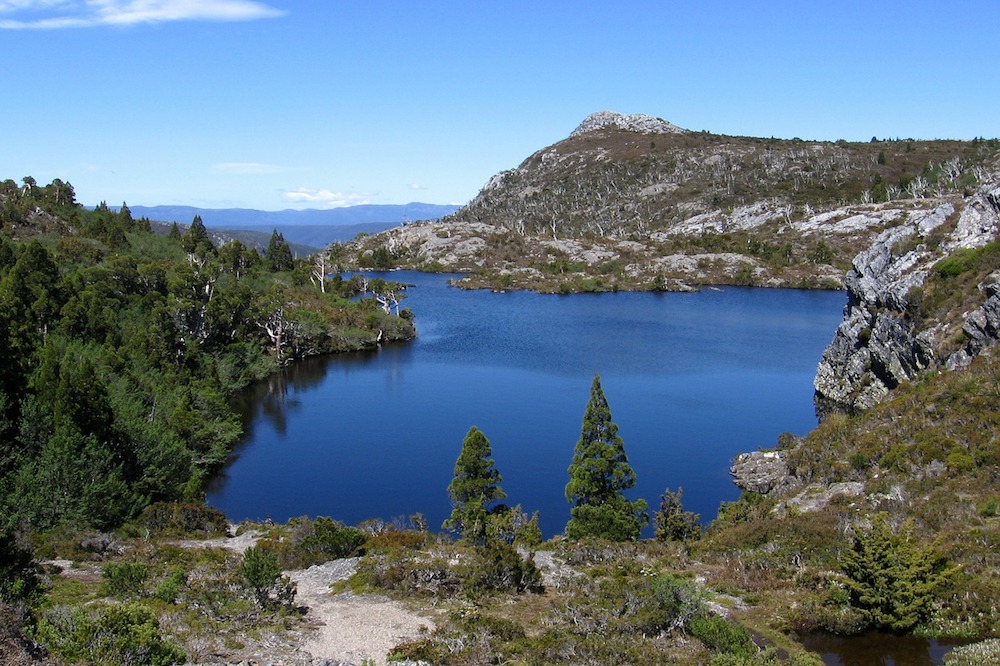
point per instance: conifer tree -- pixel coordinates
(278, 253)
(598, 475)
(474, 489)
(893, 580)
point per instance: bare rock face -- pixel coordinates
(760, 471)
(878, 345)
(633, 122)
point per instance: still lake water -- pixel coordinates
(692, 380)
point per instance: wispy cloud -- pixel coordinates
(55, 14)
(416, 186)
(323, 197)
(247, 168)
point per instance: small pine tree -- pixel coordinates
(474, 489)
(598, 475)
(196, 240)
(891, 579)
(279, 254)
(672, 522)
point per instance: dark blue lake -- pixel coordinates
(692, 380)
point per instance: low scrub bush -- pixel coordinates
(308, 542)
(498, 567)
(125, 579)
(125, 635)
(720, 635)
(183, 518)
(261, 575)
(396, 540)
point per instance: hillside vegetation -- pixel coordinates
(611, 207)
(121, 348)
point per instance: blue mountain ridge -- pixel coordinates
(314, 228)
(246, 218)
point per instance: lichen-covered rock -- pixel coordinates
(760, 471)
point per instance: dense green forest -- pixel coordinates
(121, 348)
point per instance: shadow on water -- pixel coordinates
(878, 649)
(273, 398)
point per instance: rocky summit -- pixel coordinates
(632, 202)
(632, 122)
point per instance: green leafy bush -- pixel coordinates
(183, 518)
(125, 635)
(125, 579)
(891, 579)
(261, 574)
(170, 586)
(720, 635)
(498, 567)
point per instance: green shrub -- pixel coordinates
(331, 540)
(170, 587)
(672, 522)
(498, 567)
(422, 650)
(261, 574)
(496, 627)
(720, 635)
(125, 579)
(396, 540)
(183, 517)
(891, 578)
(125, 635)
(18, 576)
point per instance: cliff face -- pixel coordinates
(885, 338)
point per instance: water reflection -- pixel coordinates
(878, 649)
(269, 398)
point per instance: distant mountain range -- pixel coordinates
(313, 228)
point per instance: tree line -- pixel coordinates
(121, 347)
(599, 476)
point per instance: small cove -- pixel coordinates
(692, 380)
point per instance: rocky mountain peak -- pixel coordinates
(630, 122)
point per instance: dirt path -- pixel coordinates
(346, 627)
(351, 628)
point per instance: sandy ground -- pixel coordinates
(347, 628)
(351, 628)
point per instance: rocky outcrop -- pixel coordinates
(760, 471)
(881, 342)
(630, 122)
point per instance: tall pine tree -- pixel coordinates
(278, 253)
(474, 489)
(598, 476)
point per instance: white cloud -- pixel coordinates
(247, 168)
(417, 186)
(52, 14)
(324, 198)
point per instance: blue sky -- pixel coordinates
(321, 103)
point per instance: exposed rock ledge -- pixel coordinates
(761, 471)
(878, 345)
(631, 122)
